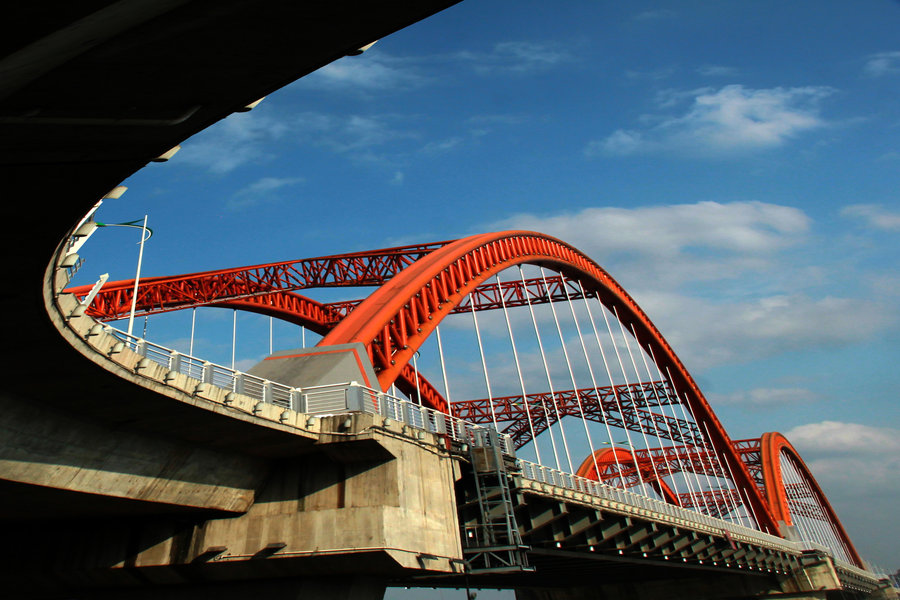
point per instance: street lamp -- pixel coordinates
(146, 234)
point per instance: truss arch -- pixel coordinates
(797, 500)
(394, 321)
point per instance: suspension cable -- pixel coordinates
(587, 361)
(682, 400)
(512, 341)
(487, 381)
(695, 493)
(562, 342)
(733, 508)
(634, 400)
(596, 390)
(549, 383)
(437, 331)
(702, 438)
(659, 402)
(612, 340)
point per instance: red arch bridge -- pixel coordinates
(578, 431)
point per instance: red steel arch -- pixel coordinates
(771, 446)
(395, 320)
(588, 470)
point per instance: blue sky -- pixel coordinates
(734, 165)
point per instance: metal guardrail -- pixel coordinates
(555, 477)
(315, 400)
(353, 397)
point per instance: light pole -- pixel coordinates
(146, 234)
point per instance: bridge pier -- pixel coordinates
(354, 501)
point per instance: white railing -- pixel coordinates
(557, 478)
(353, 397)
(316, 400)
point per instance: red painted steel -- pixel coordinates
(162, 294)
(431, 281)
(396, 319)
(490, 296)
(771, 446)
(630, 411)
(620, 456)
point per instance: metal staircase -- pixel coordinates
(491, 539)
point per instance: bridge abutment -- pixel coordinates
(370, 500)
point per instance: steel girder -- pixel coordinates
(160, 294)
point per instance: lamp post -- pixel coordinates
(137, 276)
(146, 234)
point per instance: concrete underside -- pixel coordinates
(110, 488)
(348, 514)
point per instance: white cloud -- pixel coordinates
(662, 253)
(830, 438)
(707, 334)
(372, 71)
(240, 138)
(260, 191)
(856, 465)
(243, 138)
(765, 397)
(515, 57)
(882, 63)
(670, 230)
(717, 71)
(874, 215)
(437, 147)
(731, 120)
(652, 75)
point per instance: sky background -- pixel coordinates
(734, 165)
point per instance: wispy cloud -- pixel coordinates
(260, 191)
(874, 215)
(239, 139)
(670, 257)
(515, 57)
(250, 138)
(835, 437)
(765, 397)
(717, 71)
(372, 71)
(882, 63)
(707, 333)
(673, 229)
(651, 75)
(731, 120)
(439, 146)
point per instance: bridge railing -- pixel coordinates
(353, 397)
(555, 477)
(314, 400)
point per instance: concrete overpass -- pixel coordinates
(121, 479)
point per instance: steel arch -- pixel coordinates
(772, 444)
(395, 320)
(588, 470)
